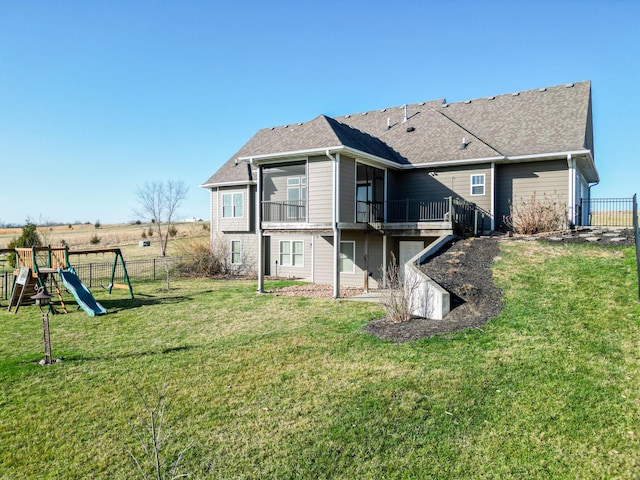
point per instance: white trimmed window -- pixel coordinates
(232, 204)
(292, 253)
(477, 184)
(236, 252)
(346, 262)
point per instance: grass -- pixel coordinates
(264, 386)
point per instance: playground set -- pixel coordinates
(37, 265)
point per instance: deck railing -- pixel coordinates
(463, 215)
(289, 211)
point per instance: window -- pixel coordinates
(292, 253)
(477, 184)
(346, 262)
(296, 196)
(232, 204)
(236, 252)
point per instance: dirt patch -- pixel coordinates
(463, 267)
(315, 291)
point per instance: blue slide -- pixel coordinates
(81, 293)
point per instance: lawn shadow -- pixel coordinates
(165, 351)
(116, 305)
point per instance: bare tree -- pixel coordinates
(159, 202)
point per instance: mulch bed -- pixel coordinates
(464, 269)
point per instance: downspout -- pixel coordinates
(334, 223)
(384, 261)
(248, 206)
(493, 196)
(572, 189)
(260, 233)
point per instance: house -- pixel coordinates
(334, 200)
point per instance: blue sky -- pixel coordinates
(98, 97)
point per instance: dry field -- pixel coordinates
(123, 236)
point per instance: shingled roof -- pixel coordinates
(534, 122)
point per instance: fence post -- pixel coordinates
(154, 268)
(636, 234)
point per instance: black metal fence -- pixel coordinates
(608, 212)
(99, 274)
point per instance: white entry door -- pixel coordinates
(408, 250)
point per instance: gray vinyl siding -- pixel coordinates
(442, 183)
(213, 211)
(323, 272)
(520, 181)
(323, 253)
(320, 190)
(302, 272)
(437, 184)
(347, 190)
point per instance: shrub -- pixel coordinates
(399, 295)
(97, 224)
(144, 234)
(150, 232)
(173, 231)
(95, 240)
(537, 215)
(198, 260)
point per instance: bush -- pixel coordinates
(173, 231)
(537, 216)
(398, 296)
(144, 234)
(95, 240)
(200, 261)
(97, 224)
(150, 232)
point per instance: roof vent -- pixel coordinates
(363, 113)
(515, 94)
(300, 124)
(421, 104)
(569, 85)
(411, 129)
(286, 126)
(388, 123)
(445, 105)
(542, 89)
(467, 101)
(383, 110)
(347, 116)
(405, 113)
(463, 145)
(491, 98)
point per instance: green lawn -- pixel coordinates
(262, 386)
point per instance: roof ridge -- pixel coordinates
(519, 92)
